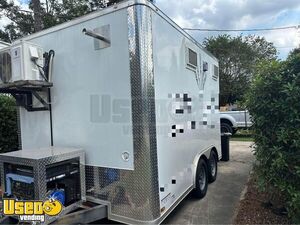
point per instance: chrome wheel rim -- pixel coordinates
(213, 166)
(202, 178)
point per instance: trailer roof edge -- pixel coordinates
(111, 9)
(174, 24)
(5, 43)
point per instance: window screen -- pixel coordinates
(216, 73)
(192, 57)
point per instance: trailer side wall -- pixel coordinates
(187, 105)
(91, 94)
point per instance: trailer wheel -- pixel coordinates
(213, 167)
(201, 179)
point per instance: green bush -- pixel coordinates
(274, 103)
(8, 124)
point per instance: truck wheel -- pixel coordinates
(201, 179)
(213, 167)
(226, 128)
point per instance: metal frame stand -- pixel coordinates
(25, 91)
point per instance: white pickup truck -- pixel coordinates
(231, 121)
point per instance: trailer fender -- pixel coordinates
(202, 154)
(229, 118)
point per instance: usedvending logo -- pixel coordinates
(31, 210)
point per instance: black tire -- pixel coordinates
(201, 179)
(213, 167)
(226, 128)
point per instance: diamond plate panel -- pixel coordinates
(134, 195)
(19, 128)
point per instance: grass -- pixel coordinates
(246, 139)
(242, 135)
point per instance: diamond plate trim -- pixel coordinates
(19, 128)
(134, 195)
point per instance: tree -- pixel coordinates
(44, 15)
(238, 57)
(21, 21)
(294, 52)
(262, 49)
(37, 15)
(8, 124)
(273, 101)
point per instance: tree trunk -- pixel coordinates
(37, 10)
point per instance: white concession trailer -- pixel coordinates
(132, 90)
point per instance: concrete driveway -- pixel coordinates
(218, 207)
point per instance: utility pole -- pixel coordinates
(298, 33)
(47, 8)
(37, 15)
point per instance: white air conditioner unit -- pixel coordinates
(27, 62)
(21, 62)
